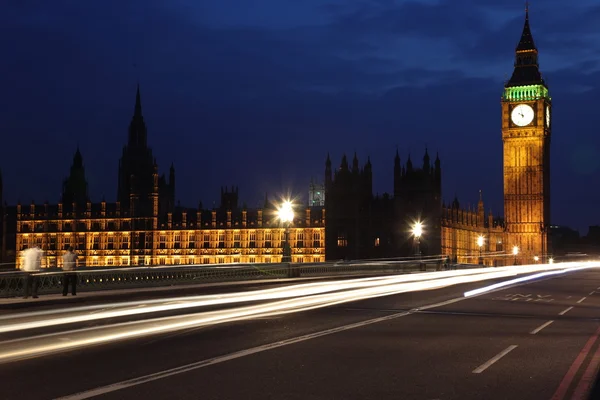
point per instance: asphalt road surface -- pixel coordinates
(537, 340)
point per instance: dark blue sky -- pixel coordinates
(255, 93)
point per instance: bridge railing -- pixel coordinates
(93, 279)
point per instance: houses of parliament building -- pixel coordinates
(342, 220)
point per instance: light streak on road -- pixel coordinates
(69, 315)
(78, 338)
(525, 279)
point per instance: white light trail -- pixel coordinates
(15, 322)
(44, 344)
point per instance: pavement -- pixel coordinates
(538, 340)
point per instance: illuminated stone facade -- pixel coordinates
(526, 131)
(102, 235)
(144, 227)
(461, 230)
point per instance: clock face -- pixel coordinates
(548, 116)
(522, 115)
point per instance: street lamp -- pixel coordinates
(480, 242)
(536, 259)
(551, 260)
(417, 231)
(285, 214)
(515, 252)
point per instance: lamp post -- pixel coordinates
(536, 259)
(417, 231)
(515, 252)
(286, 216)
(480, 242)
(551, 260)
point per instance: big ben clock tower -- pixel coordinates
(526, 108)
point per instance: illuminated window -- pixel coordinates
(124, 242)
(341, 240)
(300, 239)
(317, 239)
(252, 239)
(221, 240)
(376, 242)
(206, 241)
(268, 239)
(237, 237)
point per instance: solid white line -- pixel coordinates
(563, 312)
(217, 360)
(592, 292)
(539, 328)
(493, 360)
(582, 299)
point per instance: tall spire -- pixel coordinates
(526, 70)
(137, 112)
(526, 42)
(137, 127)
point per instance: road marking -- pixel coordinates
(581, 391)
(568, 378)
(493, 360)
(217, 360)
(582, 299)
(539, 328)
(563, 312)
(592, 292)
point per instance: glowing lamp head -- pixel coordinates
(551, 260)
(536, 258)
(515, 250)
(286, 212)
(417, 229)
(480, 241)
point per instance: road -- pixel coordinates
(537, 340)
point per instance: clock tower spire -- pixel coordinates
(526, 106)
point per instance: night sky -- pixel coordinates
(255, 93)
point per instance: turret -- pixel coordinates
(344, 166)
(397, 173)
(355, 166)
(438, 169)
(328, 172)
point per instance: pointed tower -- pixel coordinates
(328, 172)
(138, 171)
(526, 107)
(438, 170)
(480, 211)
(75, 186)
(397, 174)
(355, 166)
(137, 127)
(426, 162)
